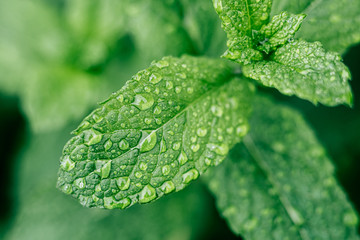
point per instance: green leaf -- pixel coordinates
(158, 133)
(204, 27)
(307, 71)
(22, 45)
(58, 95)
(96, 27)
(280, 183)
(157, 29)
(240, 19)
(342, 17)
(281, 28)
(42, 212)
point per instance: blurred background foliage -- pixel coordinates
(59, 58)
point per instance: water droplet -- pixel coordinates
(138, 174)
(148, 120)
(156, 91)
(143, 166)
(171, 133)
(169, 85)
(157, 110)
(111, 203)
(250, 224)
(98, 188)
(147, 89)
(123, 144)
(165, 170)
(264, 16)
(193, 139)
(84, 125)
(167, 187)
(92, 137)
(178, 89)
(207, 161)
(182, 158)
(149, 142)
(162, 146)
(190, 90)
(155, 78)
(143, 101)
(80, 183)
(147, 194)
(190, 176)
(195, 147)
(67, 188)
(120, 98)
(181, 75)
(216, 110)
(158, 121)
(97, 118)
(176, 146)
(230, 130)
(67, 164)
(162, 63)
(222, 149)
(350, 219)
(242, 130)
(123, 183)
(108, 145)
(201, 132)
(105, 170)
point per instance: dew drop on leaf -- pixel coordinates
(167, 187)
(143, 101)
(149, 142)
(182, 158)
(123, 144)
(67, 164)
(201, 132)
(176, 146)
(190, 176)
(165, 170)
(155, 78)
(80, 183)
(147, 194)
(195, 147)
(216, 110)
(123, 183)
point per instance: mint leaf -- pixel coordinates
(203, 26)
(278, 31)
(157, 29)
(43, 212)
(307, 71)
(57, 95)
(158, 133)
(297, 7)
(240, 19)
(281, 183)
(342, 16)
(96, 27)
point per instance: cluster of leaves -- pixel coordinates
(174, 120)
(179, 118)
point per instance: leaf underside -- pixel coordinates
(158, 133)
(280, 184)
